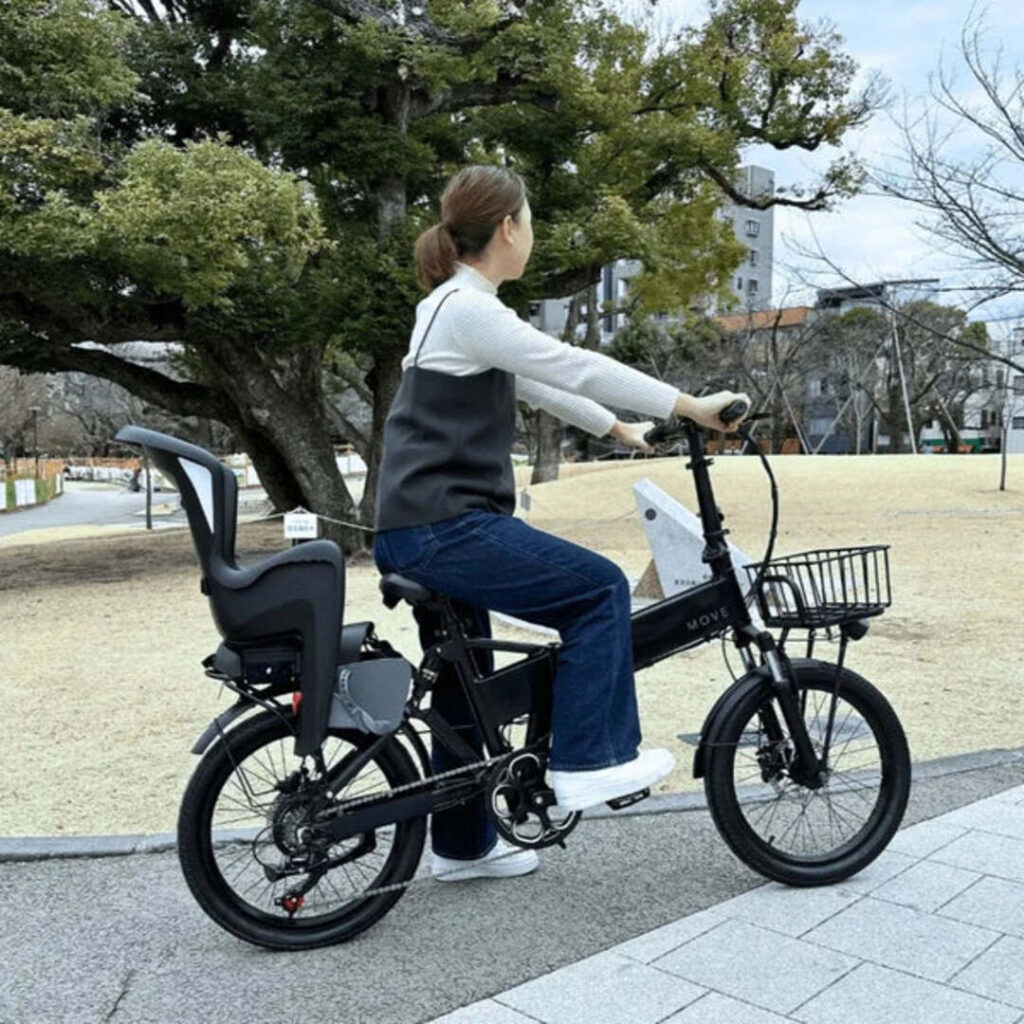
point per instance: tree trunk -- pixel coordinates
(549, 431)
(1002, 453)
(383, 381)
(549, 447)
(894, 418)
(278, 414)
(779, 416)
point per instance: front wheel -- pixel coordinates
(248, 845)
(784, 829)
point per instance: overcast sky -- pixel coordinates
(873, 238)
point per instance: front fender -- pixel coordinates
(738, 691)
(726, 702)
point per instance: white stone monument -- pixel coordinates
(676, 539)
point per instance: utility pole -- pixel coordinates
(34, 409)
(903, 380)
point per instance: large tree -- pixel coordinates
(278, 252)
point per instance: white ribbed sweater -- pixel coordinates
(475, 332)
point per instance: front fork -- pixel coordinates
(806, 768)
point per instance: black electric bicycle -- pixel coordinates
(293, 839)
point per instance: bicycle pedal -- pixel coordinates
(621, 802)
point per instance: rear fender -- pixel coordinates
(220, 723)
(233, 713)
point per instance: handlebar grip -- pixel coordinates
(733, 411)
(660, 432)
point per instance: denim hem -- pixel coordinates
(589, 767)
(475, 856)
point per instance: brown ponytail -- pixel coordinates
(473, 204)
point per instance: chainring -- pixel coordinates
(520, 803)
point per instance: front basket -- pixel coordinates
(815, 589)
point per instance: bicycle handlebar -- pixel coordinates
(670, 427)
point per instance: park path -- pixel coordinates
(119, 938)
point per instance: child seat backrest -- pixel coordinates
(208, 489)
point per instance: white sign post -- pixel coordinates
(676, 539)
(301, 526)
(24, 492)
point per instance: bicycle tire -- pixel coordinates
(855, 852)
(198, 857)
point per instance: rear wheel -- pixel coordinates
(786, 830)
(246, 844)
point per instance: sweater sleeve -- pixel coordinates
(491, 334)
(580, 412)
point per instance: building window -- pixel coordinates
(753, 228)
(1018, 384)
(984, 419)
(1018, 422)
(999, 378)
(739, 284)
(752, 286)
(753, 257)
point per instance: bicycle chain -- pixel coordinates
(396, 886)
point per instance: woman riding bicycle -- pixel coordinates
(446, 496)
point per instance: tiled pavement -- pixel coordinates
(932, 931)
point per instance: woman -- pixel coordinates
(446, 494)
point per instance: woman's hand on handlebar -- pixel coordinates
(632, 434)
(705, 410)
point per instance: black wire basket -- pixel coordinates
(816, 589)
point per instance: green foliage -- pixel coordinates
(253, 174)
(62, 57)
(755, 74)
(195, 221)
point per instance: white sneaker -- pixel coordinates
(578, 790)
(503, 861)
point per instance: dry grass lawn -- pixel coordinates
(103, 636)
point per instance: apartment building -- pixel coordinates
(751, 282)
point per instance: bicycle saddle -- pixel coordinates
(396, 588)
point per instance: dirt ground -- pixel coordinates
(103, 636)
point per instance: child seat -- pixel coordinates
(296, 595)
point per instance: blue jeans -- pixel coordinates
(485, 560)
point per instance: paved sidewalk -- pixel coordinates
(933, 930)
(94, 938)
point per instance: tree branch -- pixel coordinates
(182, 397)
(819, 201)
(354, 12)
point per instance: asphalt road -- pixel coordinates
(120, 939)
(85, 504)
(89, 504)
